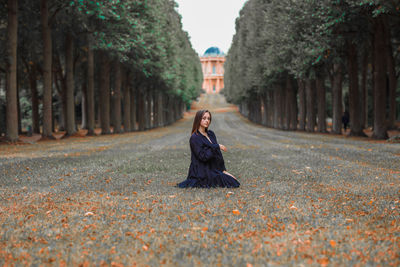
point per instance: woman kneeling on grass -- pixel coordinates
(207, 167)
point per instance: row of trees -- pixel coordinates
(289, 56)
(128, 63)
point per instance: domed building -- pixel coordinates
(212, 63)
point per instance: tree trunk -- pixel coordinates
(263, 109)
(11, 88)
(47, 69)
(363, 91)
(171, 110)
(147, 99)
(84, 106)
(104, 93)
(19, 115)
(3, 115)
(251, 110)
(153, 107)
(254, 107)
(288, 107)
(60, 87)
(70, 85)
(149, 95)
(35, 100)
(183, 109)
(276, 108)
(321, 105)
(175, 109)
(270, 108)
(63, 95)
(168, 110)
(292, 103)
(337, 105)
(156, 122)
(90, 90)
(380, 127)
(310, 102)
(141, 109)
(160, 109)
(178, 109)
(259, 110)
(302, 105)
(356, 128)
(127, 100)
(282, 108)
(391, 69)
(117, 98)
(279, 107)
(134, 108)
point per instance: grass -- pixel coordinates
(119, 206)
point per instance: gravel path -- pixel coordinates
(307, 199)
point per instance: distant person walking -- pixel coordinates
(207, 166)
(345, 120)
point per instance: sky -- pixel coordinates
(210, 22)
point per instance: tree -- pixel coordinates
(117, 98)
(47, 70)
(70, 84)
(90, 88)
(104, 92)
(12, 111)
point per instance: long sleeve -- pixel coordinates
(203, 151)
(220, 163)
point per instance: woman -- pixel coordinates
(207, 167)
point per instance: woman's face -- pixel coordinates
(205, 120)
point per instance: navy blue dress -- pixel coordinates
(207, 164)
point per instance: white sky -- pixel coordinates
(210, 22)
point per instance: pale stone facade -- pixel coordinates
(212, 63)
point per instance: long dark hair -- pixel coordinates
(197, 119)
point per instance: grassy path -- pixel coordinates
(305, 199)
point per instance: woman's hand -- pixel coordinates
(230, 175)
(223, 148)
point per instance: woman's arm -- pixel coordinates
(203, 151)
(212, 135)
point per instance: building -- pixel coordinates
(212, 63)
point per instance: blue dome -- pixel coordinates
(213, 51)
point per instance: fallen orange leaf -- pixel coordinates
(278, 253)
(323, 261)
(236, 212)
